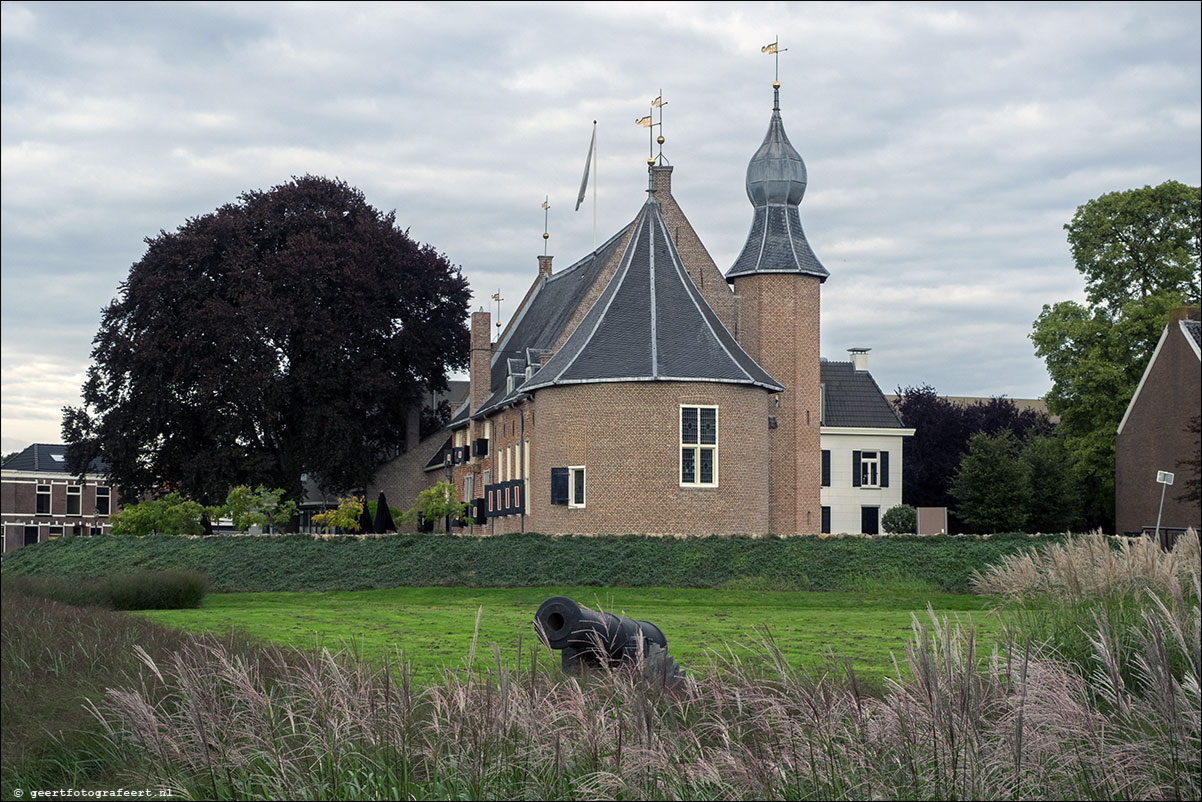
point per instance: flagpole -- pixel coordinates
(594, 187)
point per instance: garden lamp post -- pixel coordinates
(449, 465)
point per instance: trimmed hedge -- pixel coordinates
(305, 563)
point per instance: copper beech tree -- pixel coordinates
(289, 332)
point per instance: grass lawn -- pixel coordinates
(433, 626)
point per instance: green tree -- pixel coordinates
(170, 515)
(259, 507)
(1135, 244)
(991, 485)
(1138, 253)
(345, 517)
(437, 502)
(1053, 501)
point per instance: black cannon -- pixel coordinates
(593, 639)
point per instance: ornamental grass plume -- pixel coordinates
(951, 723)
(1091, 566)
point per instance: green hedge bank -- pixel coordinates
(301, 562)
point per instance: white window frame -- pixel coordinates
(572, 502)
(870, 467)
(76, 492)
(697, 447)
(37, 497)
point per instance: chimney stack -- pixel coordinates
(544, 265)
(859, 359)
(480, 366)
(661, 180)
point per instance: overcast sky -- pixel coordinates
(947, 145)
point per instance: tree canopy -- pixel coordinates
(289, 332)
(1138, 251)
(941, 435)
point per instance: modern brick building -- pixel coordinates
(1154, 434)
(642, 390)
(41, 500)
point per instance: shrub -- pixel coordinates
(900, 520)
(170, 515)
(148, 590)
(160, 590)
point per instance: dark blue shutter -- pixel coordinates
(559, 486)
(826, 469)
(519, 504)
(481, 511)
(855, 469)
(884, 469)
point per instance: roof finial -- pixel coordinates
(546, 216)
(773, 48)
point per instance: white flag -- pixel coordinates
(587, 162)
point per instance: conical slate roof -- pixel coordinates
(650, 324)
(776, 183)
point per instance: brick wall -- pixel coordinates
(403, 478)
(780, 320)
(632, 461)
(1154, 438)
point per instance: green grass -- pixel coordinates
(434, 626)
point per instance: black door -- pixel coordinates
(870, 520)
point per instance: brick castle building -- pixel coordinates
(643, 390)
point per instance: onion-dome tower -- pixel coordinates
(778, 279)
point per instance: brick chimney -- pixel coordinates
(1184, 313)
(661, 180)
(544, 265)
(480, 368)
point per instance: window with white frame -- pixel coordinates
(698, 446)
(576, 494)
(870, 467)
(43, 501)
(74, 499)
(102, 500)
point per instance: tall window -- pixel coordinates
(102, 501)
(698, 446)
(870, 464)
(43, 507)
(74, 497)
(576, 486)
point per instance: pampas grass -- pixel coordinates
(1017, 722)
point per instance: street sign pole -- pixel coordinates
(1165, 479)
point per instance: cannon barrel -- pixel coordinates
(590, 637)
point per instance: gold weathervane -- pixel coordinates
(647, 123)
(773, 49)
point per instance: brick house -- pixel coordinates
(1153, 434)
(642, 390)
(41, 500)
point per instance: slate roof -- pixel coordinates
(1193, 330)
(46, 458)
(852, 398)
(651, 324)
(776, 183)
